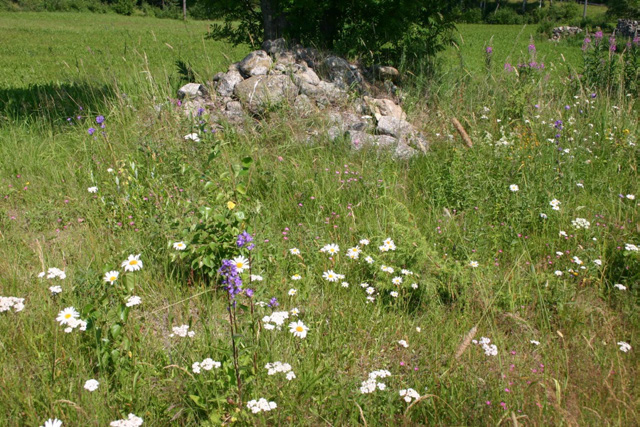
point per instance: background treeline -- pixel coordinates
(468, 11)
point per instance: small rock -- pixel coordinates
(303, 105)
(227, 82)
(384, 107)
(340, 72)
(387, 73)
(257, 63)
(306, 75)
(234, 106)
(286, 58)
(192, 91)
(404, 152)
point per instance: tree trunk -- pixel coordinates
(184, 10)
(584, 12)
(273, 20)
(524, 6)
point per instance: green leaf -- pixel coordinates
(240, 215)
(240, 188)
(116, 330)
(246, 162)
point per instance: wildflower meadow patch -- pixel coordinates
(156, 269)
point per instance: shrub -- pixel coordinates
(124, 7)
(505, 16)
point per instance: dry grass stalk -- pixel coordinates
(466, 342)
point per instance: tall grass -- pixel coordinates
(443, 211)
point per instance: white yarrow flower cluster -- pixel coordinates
(131, 421)
(489, 349)
(579, 223)
(555, 204)
(630, 247)
(364, 242)
(92, 190)
(133, 301)
(182, 331)
(624, 346)
(53, 273)
(207, 364)
(55, 290)
(8, 303)
(409, 394)
(192, 137)
(372, 384)
(279, 367)
(91, 385)
(276, 320)
(261, 405)
(403, 343)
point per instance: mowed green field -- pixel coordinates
(493, 285)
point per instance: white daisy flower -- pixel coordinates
(179, 246)
(514, 188)
(192, 137)
(111, 276)
(52, 422)
(298, 329)
(474, 264)
(330, 276)
(241, 263)
(296, 277)
(294, 251)
(67, 316)
(364, 242)
(292, 292)
(369, 260)
(394, 294)
(132, 263)
(396, 280)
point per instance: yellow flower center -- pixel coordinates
(133, 262)
(67, 316)
(113, 278)
(299, 329)
(239, 265)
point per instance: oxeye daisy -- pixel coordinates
(292, 292)
(473, 264)
(67, 316)
(364, 242)
(241, 263)
(514, 188)
(396, 280)
(354, 252)
(394, 294)
(52, 422)
(132, 263)
(298, 329)
(369, 260)
(331, 249)
(111, 276)
(294, 251)
(296, 277)
(330, 276)
(179, 246)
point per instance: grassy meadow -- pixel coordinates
(528, 239)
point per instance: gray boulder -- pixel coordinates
(257, 63)
(306, 75)
(393, 126)
(384, 107)
(259, 92)
(192, 91)
(227, 82)
(341, 73)
(387, 73)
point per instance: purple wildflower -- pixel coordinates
(91, 131)
(532, 47)
(489, 50)
(243, 239)
(99, 119)
(230, 279)
(558, 124)
(274, 302)
(249, 293)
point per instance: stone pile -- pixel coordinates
(310, 81)
(565, 31)
(628, 28)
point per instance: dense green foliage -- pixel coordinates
(547, 131)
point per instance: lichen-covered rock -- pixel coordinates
(393, 126)
(259, 92)
(303, 105)
(227, 82)
(257, 63)
(192, 91)
(304, 74)
(384, 107)
(404, 152)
